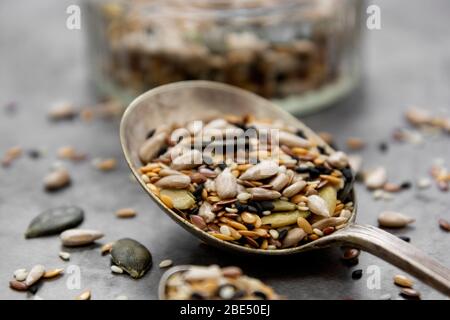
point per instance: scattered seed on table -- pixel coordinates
(392, 219)
(116, 269)
(85, 295)
(105, 164)
(350, 253)
(383, 146)
(10, 155)
(79, 237)
(357, 274)
(444, 224)
(423, 183)
(18, 285)
(410, 293)
(355, 143)
(64, 255)
(106, 248)
(133, 257)
(126, 213)
(165, 263)
(403, 281)
(62, 111)
(20, 274)
(57, 179)
(34, 275)
(53, 273)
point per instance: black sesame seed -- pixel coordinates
(357, 274)
(322, 150)
(266, 205)
(383, 147)
(150, 134)
(406, 185)
(252, 209)
(405, 238)
(348, 174)
(282, 234)
(35, 287)
(260, 294)
(34, 154)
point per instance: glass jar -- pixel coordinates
(302, 53)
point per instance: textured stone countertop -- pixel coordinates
(406, 62)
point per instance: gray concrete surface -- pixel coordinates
(406, 62)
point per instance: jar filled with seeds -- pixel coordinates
(302, 53)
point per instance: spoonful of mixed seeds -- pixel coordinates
(243, 175)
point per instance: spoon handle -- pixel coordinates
(399, 253)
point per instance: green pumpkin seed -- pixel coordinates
(131, 256)
(54, 221)
(280, 205)
(181, 199)
(282, 219)
(329, 194)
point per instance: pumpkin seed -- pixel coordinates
(52, 273)
(18, 285)
(318, 206)
(403, 281)
(262, 170)
(34, 275)
(126, 213)
(391, 219)
(86, 295)
(293, 189)
(116, 269)
(54, 221)
(20, 274)
(259, 194)
(282, 219)
(178, 181)
(131, 256)
(57, 179)
(226, 185)
(79, 237)
(329, 194)
(64, 255)
(293, 237)
(280, 205)
(180, 199)
(165, 263)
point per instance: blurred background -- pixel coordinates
(305, 55)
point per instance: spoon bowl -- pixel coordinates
(182, 102)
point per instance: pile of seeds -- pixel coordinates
(293, 191)
(215, 283)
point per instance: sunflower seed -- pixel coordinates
(116, 269)
(85, 295)
(328, 222)
(318, 206)
(34, 275)
(62, 111)
(403, 281)
(262, 170)
(244, 196)
(293, 237)
(292, 140)
(178, 181)
(226, 185)
(329, 194)
(54, 221)
(294, 188)
(20, 274)
(280, 181)
(180, 199)
(131, 256)
(52, 273)
(263, 194)
(376, 178)
(165, 263)
(64, 256)
(18, 285)
(188, 160)
(391, 219)
(152, 146)
(57, 179)
(79, 237)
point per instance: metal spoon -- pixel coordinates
(192, 100)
